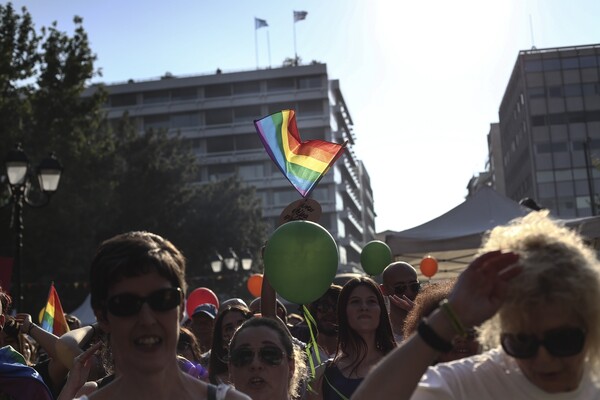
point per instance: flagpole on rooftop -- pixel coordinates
(269, 47)
(298, 16)
(256, 41)
(295, 52)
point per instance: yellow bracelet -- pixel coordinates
(456, 324)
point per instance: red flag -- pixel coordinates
(54, 320)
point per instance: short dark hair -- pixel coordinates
(133, 254)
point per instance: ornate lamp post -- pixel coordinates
(230, 265)
(22, 185)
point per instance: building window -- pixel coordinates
(223, 90)
(184, 94)
(184, 120)
(220, 172)
(122, 100)
(219, 144)
(588, 62)
(566, 207)
(590, 89)
(251, 171)
(570, 63)
(533, 66)
(543, 148)
(218, 116)
(312, 133)
(194, 143)
(310, 82)
(284, 197)
(248, 142)
(563, 175)
(552, 64)
(311, 107)
(251, 87)
(555, 91)
(281, 84)
(544, 176)
(321, 194)
(156, 122)
(159, 96)
(246, 114)
(573, 90)
(276, 107)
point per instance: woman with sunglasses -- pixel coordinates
(364, 338)
(264, 363)
(137, 288)
(535, 287)
(227, 322)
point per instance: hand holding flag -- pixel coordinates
(53, 320)
(302, 163)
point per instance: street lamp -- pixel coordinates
(229, 270)
(230, 261)
(23, 190)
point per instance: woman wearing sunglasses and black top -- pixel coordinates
(536, 288)
(264, 363)
(137, 289)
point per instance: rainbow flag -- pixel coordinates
(54, 320)
(302, 163)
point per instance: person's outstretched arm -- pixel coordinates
(476, 297)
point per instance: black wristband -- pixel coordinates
(432, 339)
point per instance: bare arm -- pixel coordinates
(45, 339)
(69, 345)
(476, 297)
(268, 299)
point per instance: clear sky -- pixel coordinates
(423, 80)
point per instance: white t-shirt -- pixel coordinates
(491, 375)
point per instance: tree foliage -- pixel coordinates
(115, 179)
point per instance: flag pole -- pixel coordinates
(295, 52)
(269, 47)
(256, 43)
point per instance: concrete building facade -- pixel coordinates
(215, 113)
(550, 130)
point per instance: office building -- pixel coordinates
(550, 129)
(215, 114)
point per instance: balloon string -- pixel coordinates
(310, 321)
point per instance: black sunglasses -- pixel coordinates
(564, 342)
(243, 356)
(401, 289)
(128, 304)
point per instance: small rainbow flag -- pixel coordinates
(53, 320)
(303, 163)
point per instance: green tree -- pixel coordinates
(115, 179)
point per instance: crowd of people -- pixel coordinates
(521, 321)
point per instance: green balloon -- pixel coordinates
(375, 256)
(301, 260)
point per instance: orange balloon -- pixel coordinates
(255, 284)
(429, 266)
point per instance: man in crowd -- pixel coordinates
(401, 285)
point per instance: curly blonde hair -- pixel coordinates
(559, 268)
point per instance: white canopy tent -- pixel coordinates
(84, 312)
(454, 237)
